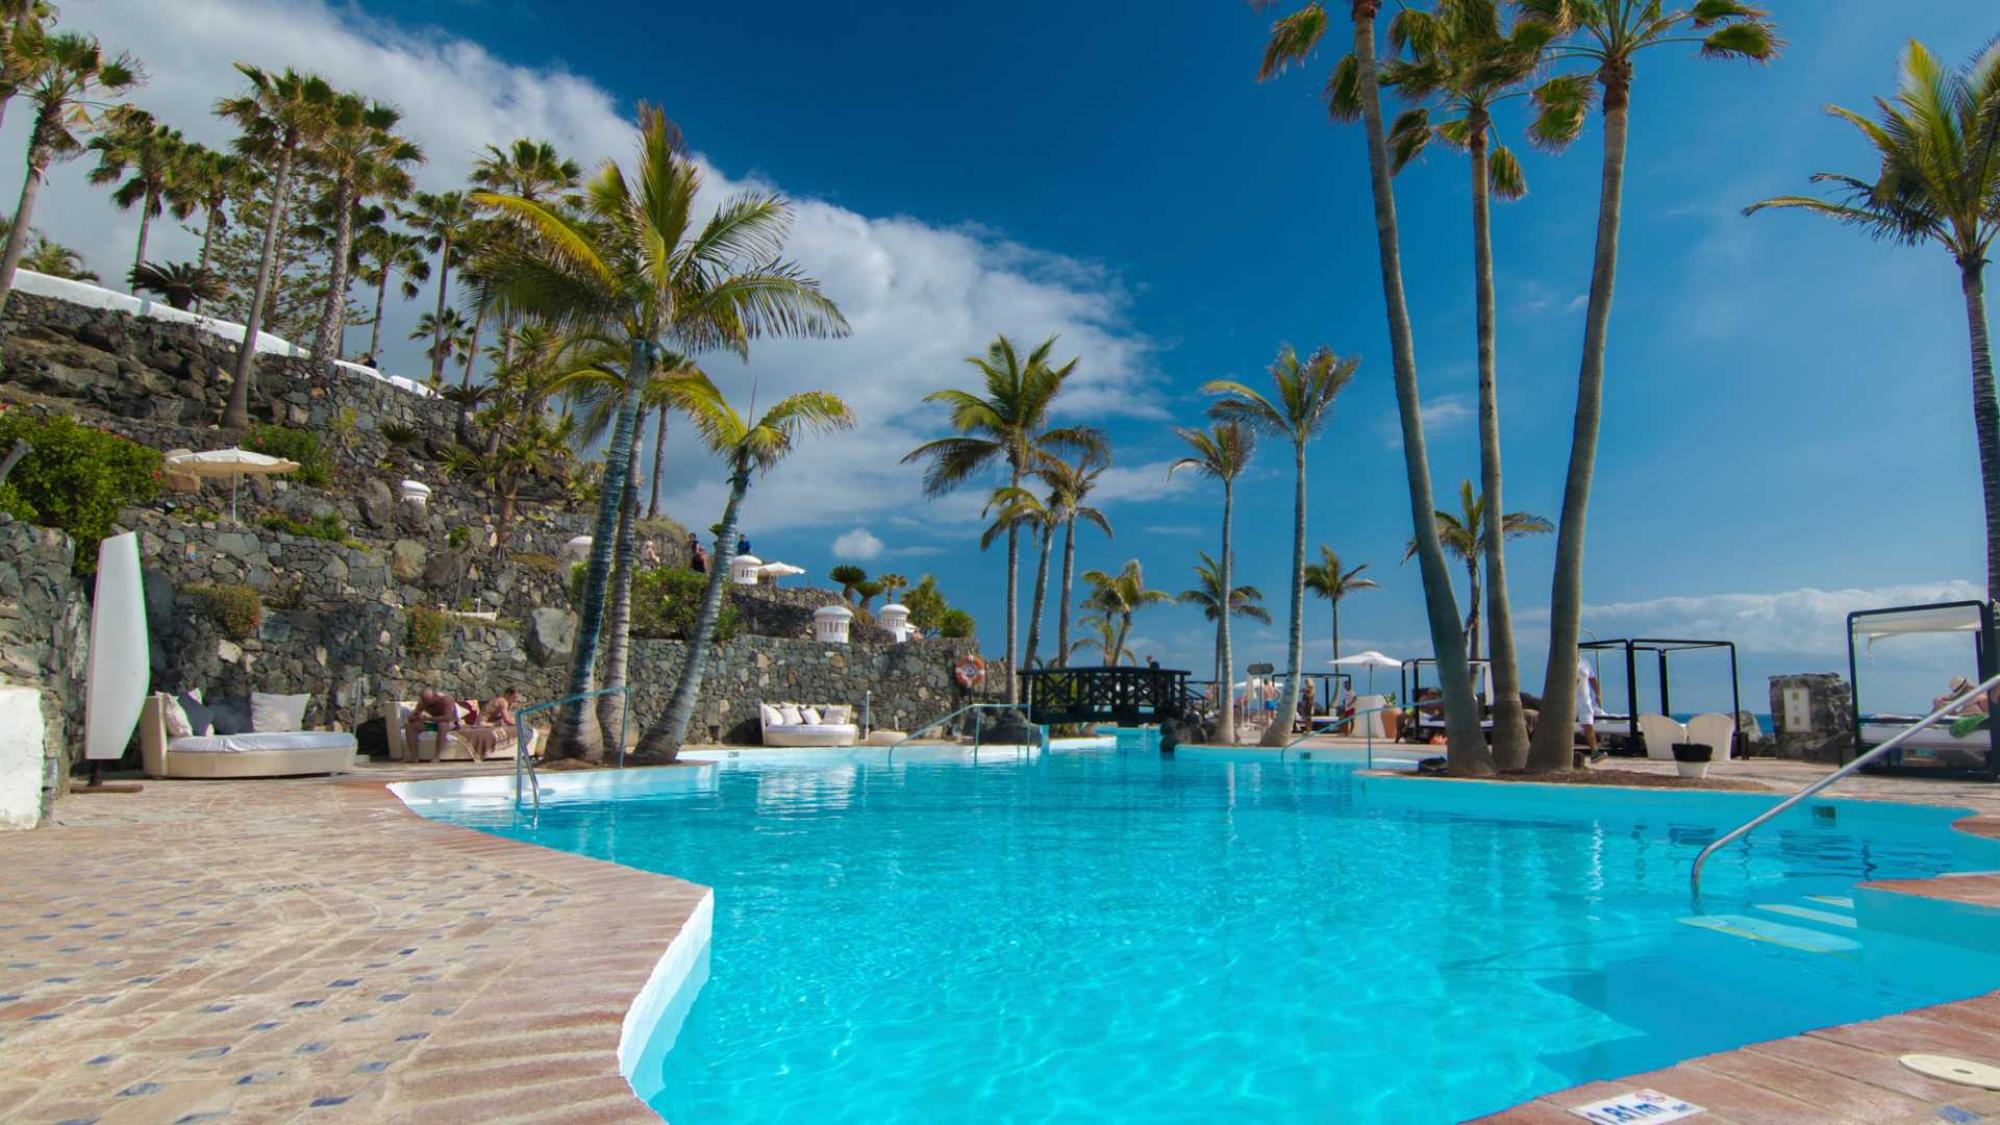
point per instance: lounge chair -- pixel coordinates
(1716, 731)
(1660, 734)
(458, 744)
(290, 753)
(788, 724)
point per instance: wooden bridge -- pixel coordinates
(1128, 696)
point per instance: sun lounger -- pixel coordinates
(290, 753)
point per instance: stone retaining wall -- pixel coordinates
(44, 645)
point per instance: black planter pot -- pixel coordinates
(1693, 752)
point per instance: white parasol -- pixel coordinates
(1370, 660)
(233, 463)
(777, 570)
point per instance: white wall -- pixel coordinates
(21, 737)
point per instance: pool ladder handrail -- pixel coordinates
(524, 760)
(1345, 720)
(1744, 829)
(941, 720)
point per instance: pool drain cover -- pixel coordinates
(1965, 1072)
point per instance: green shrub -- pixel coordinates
(425, 630)
(926, 604)
(667, 599)
(326, 526)
(400, 434)
(236, 610)
(201, 513)
(74, 478)
(536, 561)
(458, 537)
(955, 623)
(315, 467)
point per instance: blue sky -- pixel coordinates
(1787, 432)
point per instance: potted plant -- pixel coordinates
(1392, 719)
(1692, 758)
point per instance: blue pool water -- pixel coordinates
(1117, 937)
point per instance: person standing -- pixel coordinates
(1587, 689)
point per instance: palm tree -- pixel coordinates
(281, 115)
(1306, 390)
(633, 266)
(534, 170)
(1938, 181)
(365, 159)
(181, 283)
(55, 260)
(748, 447)
(450, 337)
(1464, 60)
(1069, 486)
(384, 254)
(849, 578)
(1103, 636)
(212, 178)
(440, 219)
(1608, 38)
(157, 159)
(1221, 453)
(20, 30)
(1329, 581)
(1120, 595)
(1243, 601)
(892, 585)
(1463, 534)
(1007, 426)
(67, 78)
(1021, 508)
(1352, 92)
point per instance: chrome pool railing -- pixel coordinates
(1744, 829)
(524, 762)
(975, 708)
(1344, 720)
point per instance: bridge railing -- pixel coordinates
(1113, 694)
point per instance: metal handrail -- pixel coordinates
(524, 762)
(1347, 719)
(912, 736)
(1744, 829)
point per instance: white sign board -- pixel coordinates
(1637, 1105)
(1798, 710)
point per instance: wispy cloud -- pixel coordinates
(1805, 622)
(1441, 414)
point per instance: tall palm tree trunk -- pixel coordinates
(576, 731)
(1555, 736)
(617, 652)
(1048, 538)
(236, 415)
(24, 213)
(1280, 731)
(1510, 728)
(1013, 599)
(444, 286)
(1985, 416)
(664, 738)
(1335, 603)
(1472, 613)
(207, 251)
(659, 456)
(381, 299)
(1465, 749)
(1068, 586)
(472, 349)
(333, 318)
(145, 228)
(1225, 653)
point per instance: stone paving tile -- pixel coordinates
(312, 951)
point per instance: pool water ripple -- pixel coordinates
(1117, 937)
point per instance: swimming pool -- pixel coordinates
(1117, 937)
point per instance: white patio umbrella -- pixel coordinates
(233, 463)
(777, 570)
(1370, 660)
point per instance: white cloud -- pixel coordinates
(1148, 481)
(1440, 414)
(920, 297)
(1175, 529)
(1806, 621)
(860, 544)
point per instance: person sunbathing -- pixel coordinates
(435, 709)
(499, 710)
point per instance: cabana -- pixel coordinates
(1430, 718)
(1933, 752)
(1622, 732)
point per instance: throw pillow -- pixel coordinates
(200, 720)
(836, 714)
(176, 718)
(277, 712)
(769, 714)
(231, 715)
(810, 715)
(789, 712)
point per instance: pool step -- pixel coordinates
(1824, 917)
(1777, 933)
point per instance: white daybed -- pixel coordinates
(788, 724)
(457, 746)
(290, 753)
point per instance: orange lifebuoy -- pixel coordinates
(971, 671)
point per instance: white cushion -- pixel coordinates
(270, 713)
(177, 718)
(789, 715)
(836, 714)
(769, 714)
(810, 715)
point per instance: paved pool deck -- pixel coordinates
(310, 950)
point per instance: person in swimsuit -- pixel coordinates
(435, 709)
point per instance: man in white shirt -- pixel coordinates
(1586, 704)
